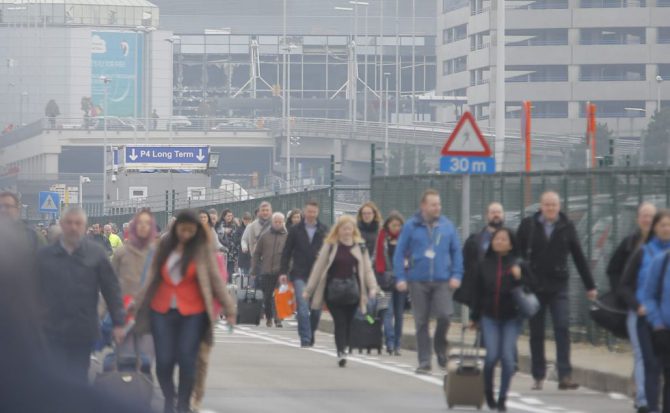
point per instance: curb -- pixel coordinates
(588, 378)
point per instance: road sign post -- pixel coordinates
(466, 152)
(49, 202)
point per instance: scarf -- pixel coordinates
(381, 250)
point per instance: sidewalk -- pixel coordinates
(594, 367)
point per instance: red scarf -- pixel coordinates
(380, 250)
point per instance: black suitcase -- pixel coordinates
(365, 335)
(249, 304)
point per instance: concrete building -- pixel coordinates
(58, 51)
(560, 55)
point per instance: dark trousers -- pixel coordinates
(231, 269)
(666, 388)
(343, 317)
(557, 304)
(177, 341)
(268, 284)
(70, 359)
(652, 366)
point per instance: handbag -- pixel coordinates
(343, 291)
(608, 313)
(526, 302)
(387, 281)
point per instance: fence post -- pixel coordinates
(174, 200)
(589, 240)
(332, 189)
(167, 202)
(373, 160)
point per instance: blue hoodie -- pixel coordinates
(652, 249)
(658, 310)
(415, 242)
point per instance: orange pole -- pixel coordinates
(526, 127)
(591, 132)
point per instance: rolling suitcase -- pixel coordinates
(366, 332)
(464, 382)
(249, 304)
(126, 381)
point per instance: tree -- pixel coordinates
(655, 138)
(402, 161)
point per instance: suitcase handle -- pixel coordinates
(138, 360)
(476, 344)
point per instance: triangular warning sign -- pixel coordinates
(466, 139)
(49, 204)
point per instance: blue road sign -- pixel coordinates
(166, 157)
(471, 165)
(49, 202)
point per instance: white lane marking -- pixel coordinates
(428, 379)
(532, 401)
(513, 394)
(557, 409)
(618, 396)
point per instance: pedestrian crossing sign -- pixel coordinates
(49, 202)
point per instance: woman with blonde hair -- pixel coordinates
(342, 276)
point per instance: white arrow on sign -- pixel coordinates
(200, 156)
(133, 156)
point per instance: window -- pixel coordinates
(536, 37)
(538, 5)
(663, 35)
(596, 73)
(456, 65)
(454, 34)
(664, 71)
(592, 4)
(456, 92)
(628, 35)
(479, 41)
(451, 5)
(539, 110)
(479, 77)
(539, 73)
(617, 109)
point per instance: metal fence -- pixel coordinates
(602, 204)
(281, 203)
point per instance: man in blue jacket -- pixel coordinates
(428, 261)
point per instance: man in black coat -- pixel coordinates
(474, 250)
(71, 275)
(10, 210)
(625, 250)
(545, 240)
(300, 251)
(101, 239)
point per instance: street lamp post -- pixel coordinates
(386, 124)
(500, 86)
(106, 81)
(82, 180)
(659, 81)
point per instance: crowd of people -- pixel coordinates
(172, 285)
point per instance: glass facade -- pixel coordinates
(239, 72)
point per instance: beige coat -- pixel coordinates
(318, 278)
(128, 263)
(211, 286)
(267, 256)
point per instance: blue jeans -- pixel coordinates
(558, 305)
(652, 365)
(177, 341)
(395, 311)
(308, 320)
(500, 337)
(638, 360)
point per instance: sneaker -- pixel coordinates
(537, 385)
(567, 384)
(342, 359)
(268, 323)
(397, 353)
(423, 370)
(501, 405)
(442, 361)
(306, 345)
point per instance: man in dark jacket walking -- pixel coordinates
(475, 248)
(100, 238)
(625, 250)
(302, 247)
(71, 275)
(545, 240)
(10, 210)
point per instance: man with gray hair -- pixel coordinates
(72, 273)
(253, 232)
(266, 262)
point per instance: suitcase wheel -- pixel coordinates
(379, 350)
(368, 351)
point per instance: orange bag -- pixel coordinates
(285, 301)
